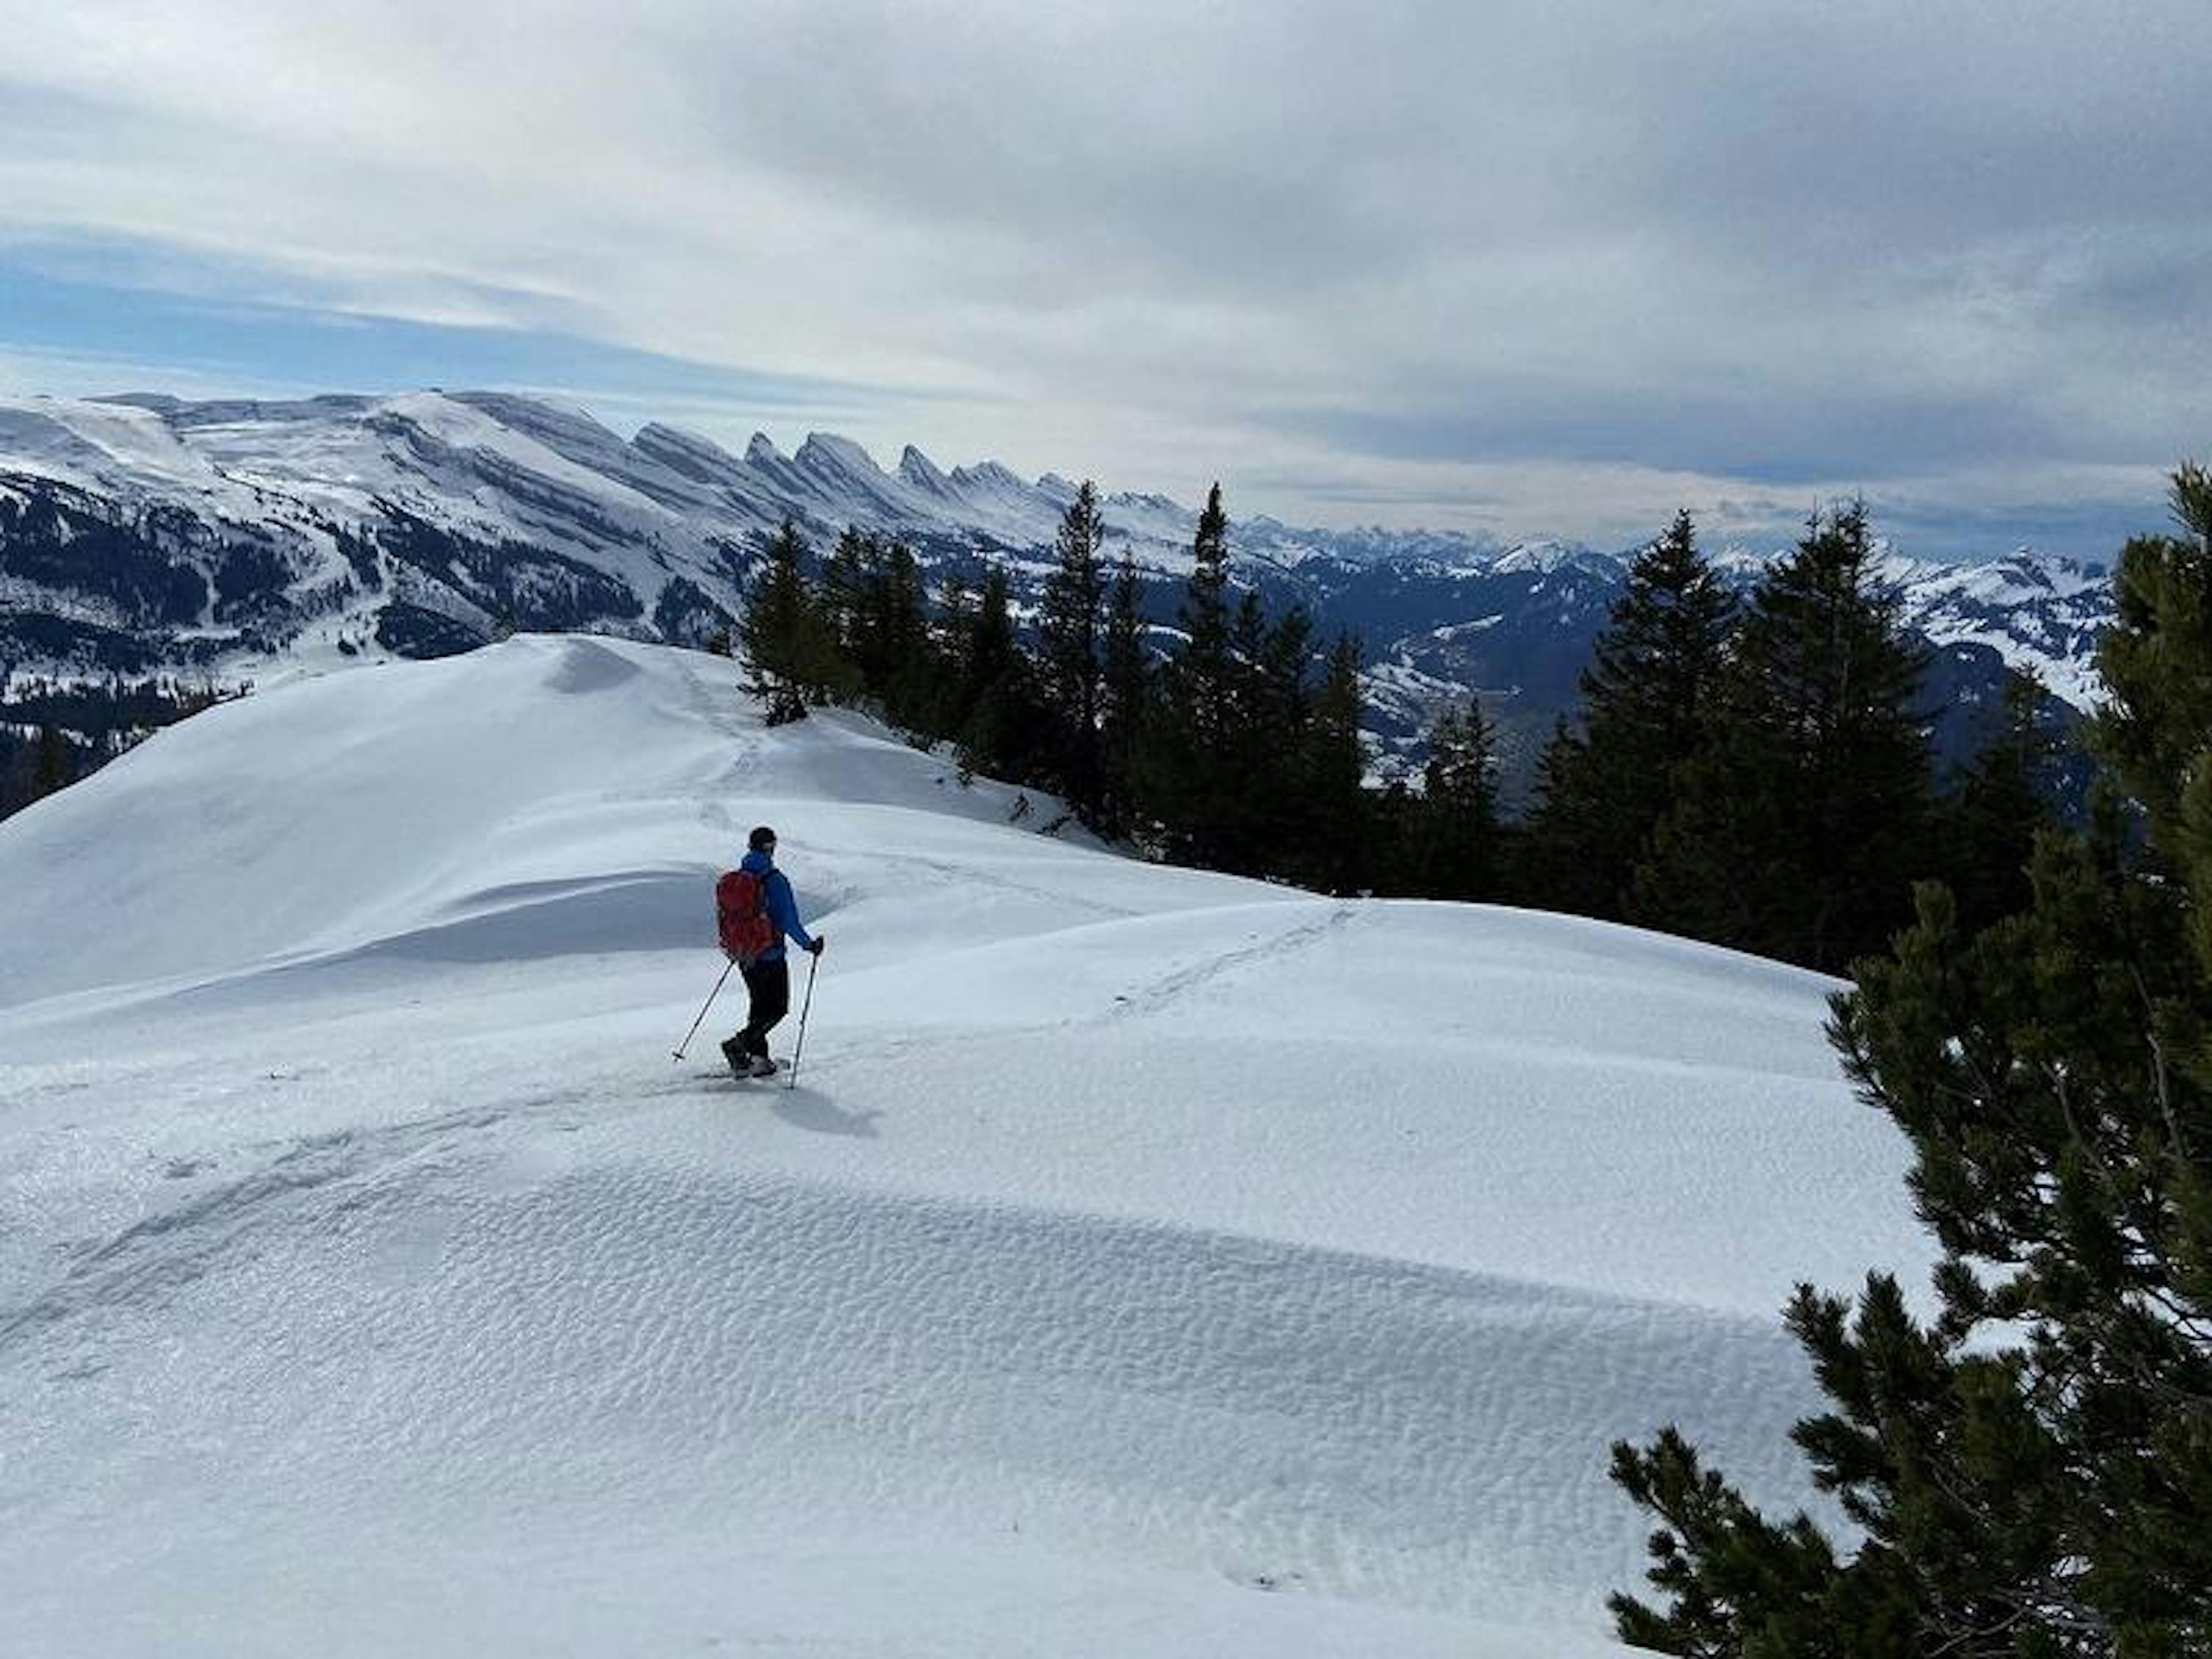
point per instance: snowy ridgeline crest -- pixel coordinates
(1149, 1262)
(142, 536)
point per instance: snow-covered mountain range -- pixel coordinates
(1147, 1262)
(142, 535)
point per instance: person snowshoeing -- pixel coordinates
(767, 976)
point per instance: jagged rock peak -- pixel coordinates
(760, 451)
(919, 470)
(990, 475)
(687, 452)
(827, 449)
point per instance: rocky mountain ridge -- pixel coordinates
(145, 535)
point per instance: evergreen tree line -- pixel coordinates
(52, 735)
(1760, 773)
(35, 762)
(2030, 1472)
(1235, 747)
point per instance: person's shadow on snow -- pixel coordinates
(805, 1109)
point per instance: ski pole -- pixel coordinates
(806, 1005)
(709, 1003)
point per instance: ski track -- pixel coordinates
(1171, 988)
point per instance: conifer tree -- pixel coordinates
(1185, 779)
(1282, 700)
(903, 669)
(779, 633)
(1229, 813)
(1205, 611)
(1644, 700)
(55, 766)
(1070, 625)
(871, 608)
(2032, 1473)
(1549, 874)
(1275, 820)
(1448, 842)
(951, 692)
(990, 647)
(1005, 732)
(1986, 829)
(1248, 645)
(844, 578)
(1125, 678)
(1336, 858)
(1796, 828)
(15, 786)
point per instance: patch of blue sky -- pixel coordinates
(77, 326)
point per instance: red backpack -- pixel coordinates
(741, 909)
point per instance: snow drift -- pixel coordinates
(1146, 1261)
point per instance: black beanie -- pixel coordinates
(761, 839)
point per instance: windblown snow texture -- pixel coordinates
(1148, 1263)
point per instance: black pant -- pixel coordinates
(768, 983)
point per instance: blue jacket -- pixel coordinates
(782, 908)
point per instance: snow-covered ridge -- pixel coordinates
(1147, 1262)
(422, 523)
(138, 446)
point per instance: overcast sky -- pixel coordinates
(1553, 268)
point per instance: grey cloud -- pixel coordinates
(1359, 136)
(1737, 238)
(1819, 434)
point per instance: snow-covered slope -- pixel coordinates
(2044, 616)
(1145, 1262)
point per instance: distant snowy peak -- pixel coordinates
(841, 473)
(839, 458)
(564, 430)
(1545, 558)
(918, 470)
(999, 495)
(698, 459)
(252, 531)
(92, 444)
(1448, 550)
(2024, 575)
(2041, 612)
(989, 475)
